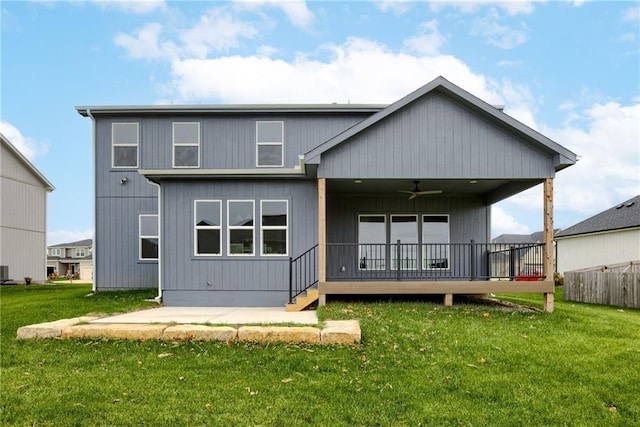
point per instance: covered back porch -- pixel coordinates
(377, 241)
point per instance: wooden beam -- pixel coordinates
(448, 300)
(322, 230)
(549, 250)
(434, 287)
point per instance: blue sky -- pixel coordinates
(570, 70)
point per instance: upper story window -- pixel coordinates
(269, 144)
(124, 142)
(186, 145)
(54, 252)
(149, 237)
(79, 253)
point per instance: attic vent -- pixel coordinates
(620, 206)
(629, 204)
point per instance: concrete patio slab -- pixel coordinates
(214, 316)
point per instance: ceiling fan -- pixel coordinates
(416, 191)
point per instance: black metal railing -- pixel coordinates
(451, 261)
(303, 272)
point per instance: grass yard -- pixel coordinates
(419, 364)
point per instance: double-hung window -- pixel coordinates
(435, 242)
(124, 145)
(208, 224)
(79, 253)
(149, 236)
(274, 223)
(186, 145)
(54, 252)
(240, 227)
(269, 144)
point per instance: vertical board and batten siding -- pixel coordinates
(592, 250)
(116, 260)
(608, 288)
(227, 280)
(22, 219)
(468, 220)
(435, 137)
(226, 141)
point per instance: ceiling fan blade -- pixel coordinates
(412, 196)
(406, 192)
(424, 193)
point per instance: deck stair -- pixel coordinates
(303, 300)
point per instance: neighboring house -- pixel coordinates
(210, 202)
(75, 259)
(23, 216)
(610, 237)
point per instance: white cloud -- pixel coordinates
(27, 146)
(511, 7)
(498, 34)
(296, 10)
(67, 236)
(503, 223)
(609, 167)
(216, 31)
(632, 14)
(345, 76)
(428, 41)
(397, 7)
(132, 6)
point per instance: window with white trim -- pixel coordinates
(186, 144)
(148, 231)
(435, 242)
(404, 228)
(240, 227)
(372, 241)
(208, 227)
(269, 144)
(124, 145)
(79, 253)
(275, 225)
(54, 252)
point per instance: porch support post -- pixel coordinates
(322, 235)
(549, 252)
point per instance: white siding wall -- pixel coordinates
(22, 221)
(598, 249)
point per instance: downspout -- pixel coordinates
(158, 298)
(95, 204)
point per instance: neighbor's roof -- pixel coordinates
(621, 216)
(562, 156)
(48, 186)
(80, 243)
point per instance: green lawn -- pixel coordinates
(419, 364)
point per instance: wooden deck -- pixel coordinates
(447, 288)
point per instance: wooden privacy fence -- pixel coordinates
(603, 287)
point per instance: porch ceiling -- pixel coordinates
(492, 190)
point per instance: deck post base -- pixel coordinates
(547, 302)
(322, 300)
(448, 300)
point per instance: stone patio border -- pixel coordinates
(333, 332)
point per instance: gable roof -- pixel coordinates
(79, 243)
(536, 237)
(45, 182)
(562, 156)
(621, 216)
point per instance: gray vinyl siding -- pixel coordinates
(250, 281)
(116, 256)
(468, 217)
(435, 137)
(226, 142)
